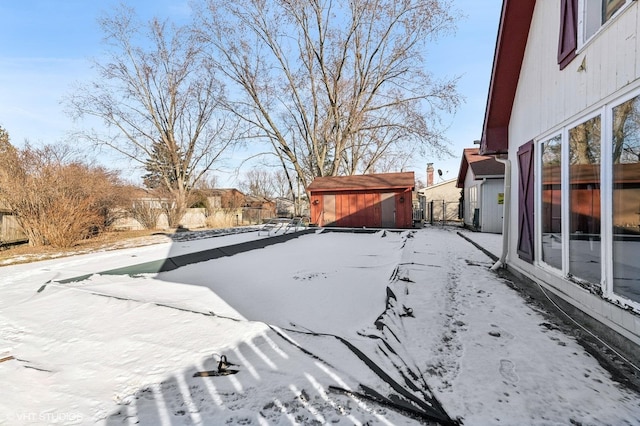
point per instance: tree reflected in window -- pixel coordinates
(551, 202)
(584, 202)
(626, 199)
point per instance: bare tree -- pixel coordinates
(334, 86)
(159, 93)
(56, 198)
(146, 212)
(626, 127)
(281, 184)
(259, 182)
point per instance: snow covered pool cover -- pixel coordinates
(318, 327)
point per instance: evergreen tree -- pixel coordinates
(161, 170)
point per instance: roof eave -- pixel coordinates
(513, 32)
(462, 172)
(482, 177)
(361, 188)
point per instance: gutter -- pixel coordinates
(506, 217)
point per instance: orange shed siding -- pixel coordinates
(371, 201)
(356, 209)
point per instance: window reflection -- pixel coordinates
(626, 199)
(551, 203)
(597, 12)
(584, 201)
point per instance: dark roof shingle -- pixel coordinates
(481, 165)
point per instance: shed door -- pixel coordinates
(388, 208)
(329, 210)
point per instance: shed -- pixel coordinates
(482, 179)
(373, 200)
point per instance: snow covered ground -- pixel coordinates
(341, 328)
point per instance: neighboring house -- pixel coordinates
(440, 202)
(374, 200)
(482, 178)
(225, 198)
(285, 207)
(564, 109)
(257, 209)
(238, 208)
(225, 207)
(147, 210)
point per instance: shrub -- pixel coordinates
(57, 199)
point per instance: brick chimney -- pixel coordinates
(429, 174)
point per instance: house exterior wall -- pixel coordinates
(491, 205)
(482, 194)
(471, 201)
(445, 197)
(549, 101)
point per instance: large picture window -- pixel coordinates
(584, 201)
(551, 202)
(626, 198)
(588, 200)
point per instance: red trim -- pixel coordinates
(513, 32)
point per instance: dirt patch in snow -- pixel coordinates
(105, 241)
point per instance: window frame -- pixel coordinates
(566, 206)
(607, 198)
(582, 19)
(605, 110)
(538, 201)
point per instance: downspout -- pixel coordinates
(502, 262)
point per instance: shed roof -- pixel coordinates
(363, 182)
(513, 33)
(480, 165)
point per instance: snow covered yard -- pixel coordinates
(335, 328)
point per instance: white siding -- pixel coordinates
(552, 96)
(491, 211)
(470, 197)
(548, 98)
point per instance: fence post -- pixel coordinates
(431, 212)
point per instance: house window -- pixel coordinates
(625, 159)
(551, 202)
(588, 200)
(595, 13)
(584, 201)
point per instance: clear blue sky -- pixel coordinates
(46, 46)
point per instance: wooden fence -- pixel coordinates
(10, 231)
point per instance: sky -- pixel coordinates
(46, 47)
(415, 317)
